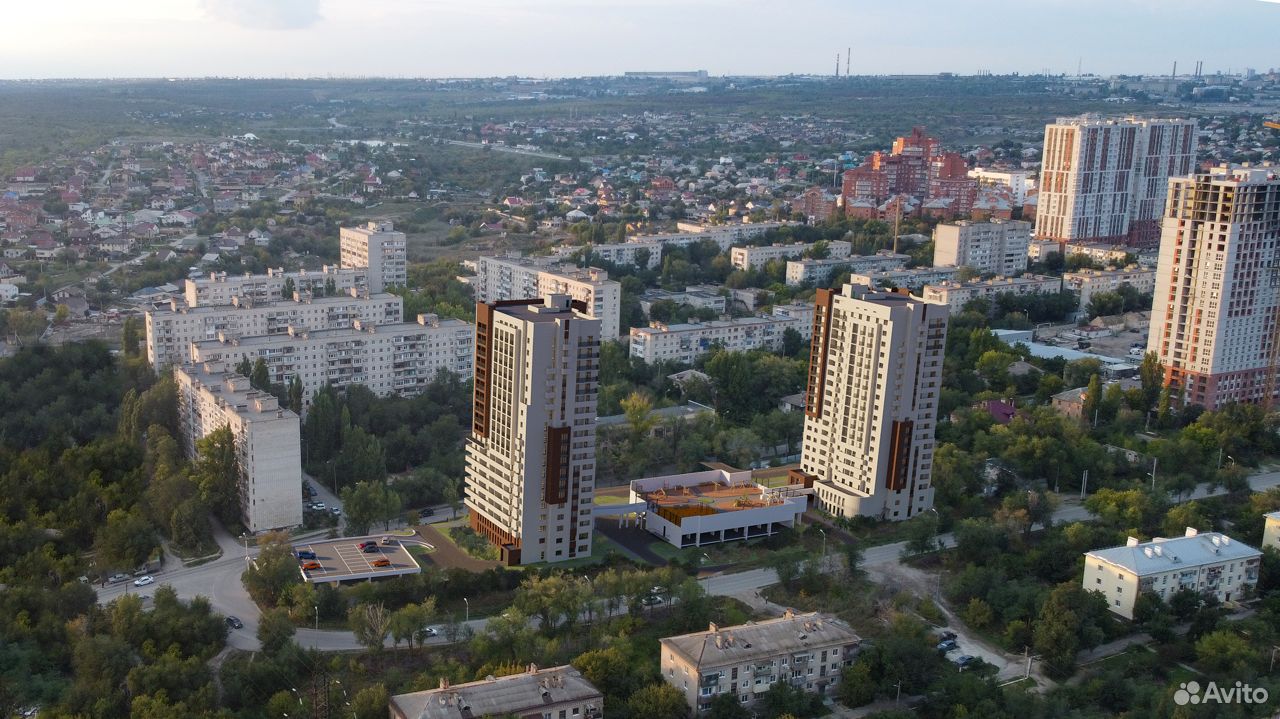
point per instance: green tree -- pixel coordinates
(1092, 399)
(126, 540)
(289, 288)
(726, 706)
(786, 564)
(371, 702)
(978, 614)
(1226, 654)
(131, 336)
(857, 685)
(217, 473)
(261, 377)
(657, 701)
(370, 623)
(189, 526)
(295, 394)
(1152, 376)
(367, 503)
(275, 630)
(271, 576)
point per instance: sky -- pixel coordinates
(571, 38)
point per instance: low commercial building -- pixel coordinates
(170, 331)
(685, 342)
(623, 253)
(956, 294)
(690, 510)
(555, 693)
(1090, 282)
(268, 449)
(511, 278)
(807, 651)
(1210, 563)
(814, 272)
(401, 358)
(747, 258)
(913, 278)
(219, 288)
(995, 246)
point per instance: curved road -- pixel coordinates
(219, 580)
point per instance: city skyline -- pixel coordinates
(562, 38)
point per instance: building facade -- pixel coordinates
(1090, 282)
(748, 258)
(623, 253)
(816, 272)
(806, 651)
(401, 358)
(381, 249)
(1216, 305)
(957, 294)
(268, 449)
(219, 288)
(530, 473)
(994, 246)
(714, 506)
(1106, 179)
(1019, 182)
(170, 332)
(554, 693)
(871, 402)
(1209, 563)
(913, 278)
(508, 278)
(685, 342)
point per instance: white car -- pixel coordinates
(144, 581)
(430, 632)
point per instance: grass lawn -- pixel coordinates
(610, 499)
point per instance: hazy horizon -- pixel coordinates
(435, 39)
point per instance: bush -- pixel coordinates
(472, 543)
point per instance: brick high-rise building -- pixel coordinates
(917, 167)
(531, 455)
(1105, 180)
(1216, 306)
(875, 379)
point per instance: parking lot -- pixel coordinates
(342, 560)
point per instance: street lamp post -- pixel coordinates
(824, 548)
(468, 605)
(317, 608)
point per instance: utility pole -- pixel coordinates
(1084, 480)
(320, 695)
(1154, 462)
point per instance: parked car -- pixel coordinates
(965, 660)
(319, 506)
(308, 566)
(946, 634)
(114, 578)
(369, 549)
(144, 581)
(306, 554)
(235, 623)
(337, 511)
(389, 541)
(948, 645)
(656, 590)
(382, 562)
(430, 632)
(651, 600)
(367, 542)
(426, 512)
(142, 572)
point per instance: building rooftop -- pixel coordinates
(515, 694)
(233, 391)
(1162, 555)
(790, 633)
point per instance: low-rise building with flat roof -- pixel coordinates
(911, 278)
(686, 341)
(956, 294)
(1210, 563)
(1090, 282)
(690, 510)
(621, 253)
(806, 651)
(219, 288)
(555, 693)
(747, 258)
(816, 272)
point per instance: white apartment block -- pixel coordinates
(871, 402)
(995, 246)
(807, 651)
(913, 278)
(1019, 182)
(1271, 530)
(1107, 179)
(171, 331)
(725, 236)
(624, 253)
(1090, 282)
(956, 294)
(1216, 306)
(747, 258)
(801, 312)
(401, 358)
(266, 436)
(1210, 563)
(814, 272)
(1104, 253)
(685, 342)
(380, 248)
(219, 288)
(530, 473)
(692, 296)
(509, 278)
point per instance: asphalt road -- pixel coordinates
(219, 580)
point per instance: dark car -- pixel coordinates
(235, 623)
(426, 513)
(965, 660)
(947, 645)
(306, 554)
(944, 636)
(369, 548)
